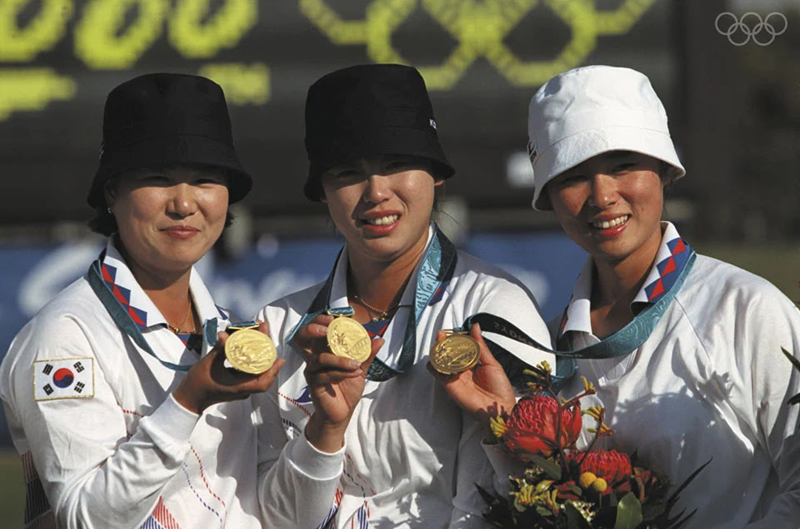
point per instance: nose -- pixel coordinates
(377, 188)
(182, 204)
(604, 191)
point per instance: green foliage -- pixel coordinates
(552, 469)
(629, 512)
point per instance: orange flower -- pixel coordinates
(612, 466)
(533, 423)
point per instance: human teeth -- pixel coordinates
(384, 220)
(605, 224)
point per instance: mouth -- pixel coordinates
(382, 221)
(181, 232)
(610, 223)
(379, 224)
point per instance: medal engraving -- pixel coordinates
(250, 351)
(347, 337)
(454, 354)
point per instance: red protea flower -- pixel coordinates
(610, 465)
(531, 428)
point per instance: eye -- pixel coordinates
(211, 180)
(398, 165)
(344, 172)
(155, 179)
(570, 179)
(624, 167)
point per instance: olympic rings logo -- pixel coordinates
(739, 31)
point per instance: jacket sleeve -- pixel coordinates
(94, 473)
(768, 324)
(473, 469)
(296, 482)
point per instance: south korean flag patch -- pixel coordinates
(65, 378)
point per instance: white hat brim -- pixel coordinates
(577, 148)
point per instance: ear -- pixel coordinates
(438, 181)
(109, 193)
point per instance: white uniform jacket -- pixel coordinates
(710, 383)
(92, 414)
(411, 457)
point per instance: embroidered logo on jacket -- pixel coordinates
(65, 378)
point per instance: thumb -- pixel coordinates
(486, 358)
(376, 345)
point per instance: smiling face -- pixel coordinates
(381, 205)
(611, 205)
(168, 218)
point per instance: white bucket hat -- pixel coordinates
(591, 110)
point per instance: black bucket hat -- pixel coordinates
(365, 111)
(165, 119)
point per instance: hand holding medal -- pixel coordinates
(249, 350)
(348, 338)
(338, 352)
(475, 380)
(456, 353)
(252, 357)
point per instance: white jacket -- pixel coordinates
(411, 457)
(709, 383)
(112, 448)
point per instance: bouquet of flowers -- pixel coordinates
(567, 488)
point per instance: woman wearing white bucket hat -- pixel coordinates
(685, 350)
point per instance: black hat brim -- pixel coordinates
(163, 151)
(400, 141)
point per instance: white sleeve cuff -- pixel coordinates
(170, 427)
(317, 465)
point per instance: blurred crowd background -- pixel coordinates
(728, 72)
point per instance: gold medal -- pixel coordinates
(456, 353)
(250, 351)
(347, 337)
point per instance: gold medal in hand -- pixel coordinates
(347, 337)
(250, 351)
(456, 353)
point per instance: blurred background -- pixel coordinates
(728, 72)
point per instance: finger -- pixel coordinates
(328, 378)
(332, 361)
(440, 377)
(486, 358)
(312, 331)
(323, 319)
(318, 327)
(222, 337)
(376, 345)
(247, 383)
(265, 379)
(263, 327)
(441, 335)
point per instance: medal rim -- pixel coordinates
(361, 330)
(436, 354)
(241, 334)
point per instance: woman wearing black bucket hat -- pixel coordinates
(380, 442)
(115, 393)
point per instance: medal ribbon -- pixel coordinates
(621, 343)
(124, 320)
(437, 265)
